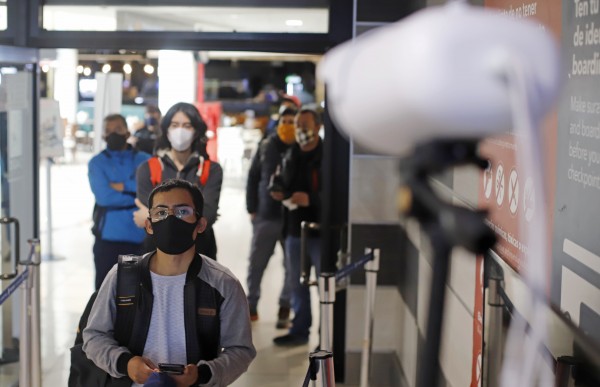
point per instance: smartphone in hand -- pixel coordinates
(172, 369)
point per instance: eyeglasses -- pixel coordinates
(180, 212)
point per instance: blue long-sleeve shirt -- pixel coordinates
(117, 167)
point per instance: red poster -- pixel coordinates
(477, 325)
(211, 114)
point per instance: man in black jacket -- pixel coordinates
(168, 327)
(300, 177)
(265, 214)
(146, 136)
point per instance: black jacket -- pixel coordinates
(301, 172)
(265, 161)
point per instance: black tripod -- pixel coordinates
(445, 224)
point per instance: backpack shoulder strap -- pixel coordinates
(128, 280)
(83, 320)
(204, 171)
(156, 168)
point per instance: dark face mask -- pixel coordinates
(172, 235)
(115, 141)
(151, 121)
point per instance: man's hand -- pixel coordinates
(300, 198)
(117, 186)
(277, 196)
(189, 376)
(141, 214)
(140, 368)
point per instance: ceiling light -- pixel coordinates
(127, 68)
(45, 68)
(294, 23)
(87, 71)
(106, 68)
(79, 69)
(148, 69)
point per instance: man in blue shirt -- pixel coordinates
(112, 179)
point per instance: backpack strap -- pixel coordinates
(156, 168)
(155, 165)
(83, 320)
(203, 170)
(128, 282)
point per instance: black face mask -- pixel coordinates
(115, 141)
(151, 121)
(172, 235)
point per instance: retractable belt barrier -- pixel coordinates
(348, 269)
(515, 314)
(6, 293)
(498, 304)
(320, 370)
(30, 371)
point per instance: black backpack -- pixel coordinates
(83, 372)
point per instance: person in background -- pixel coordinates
(181, 153)
(286, 102)
(300, 176)
(145, 137)
(266, 215)
(112, 180)
(167, 312)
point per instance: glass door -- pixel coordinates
(18, 188)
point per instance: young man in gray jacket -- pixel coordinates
(166, 278)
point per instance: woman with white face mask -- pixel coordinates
(181, 154)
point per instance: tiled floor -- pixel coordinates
(67, 280)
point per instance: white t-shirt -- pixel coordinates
(166, 337)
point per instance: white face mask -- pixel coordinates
(180, 138)
(304, 138)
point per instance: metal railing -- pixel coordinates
(320, 369)
(578, 367)
(28, 280)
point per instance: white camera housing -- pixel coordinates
(439, 73)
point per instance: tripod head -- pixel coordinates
(459, 226)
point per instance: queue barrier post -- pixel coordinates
(371, 270)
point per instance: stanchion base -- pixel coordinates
(10, 355)
(52, 257)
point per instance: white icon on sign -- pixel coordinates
(487, 181)
(529, 199)
(499, 185)
(513, 191)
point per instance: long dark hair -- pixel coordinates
(199, 143)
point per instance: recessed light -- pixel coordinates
(293, 23)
